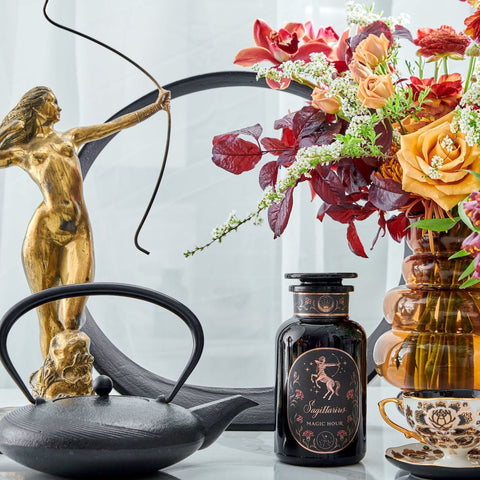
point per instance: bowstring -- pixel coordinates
(169, 121)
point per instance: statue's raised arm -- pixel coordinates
(81, 135)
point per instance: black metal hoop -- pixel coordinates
(130, 378)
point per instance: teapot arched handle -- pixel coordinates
(95, 289)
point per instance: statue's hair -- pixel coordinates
(25, 110)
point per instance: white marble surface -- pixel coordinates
(249, 455)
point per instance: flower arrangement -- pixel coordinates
(373, 140)
(385, 138)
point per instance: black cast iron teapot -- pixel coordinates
(107, 434)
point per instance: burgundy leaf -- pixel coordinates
(375, 28)
(285, 122)
(279, 213)
(386, 137)
(268, 175)
(273, 145)
(235, 154)
(397, 226)
(255, 131)
(346, 213)
(323, 134)
(354, 241)
(357, 197)
(360, 175)
(328, 187)
(353, 177)
(307, 120)
(287, 157)
(402, 32)
(387, 194)
(322, 211)
(381, 228)
(288, 137)
(286, 148)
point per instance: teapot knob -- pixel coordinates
(102, 385)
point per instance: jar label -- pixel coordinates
(320, 304)
(323, 400)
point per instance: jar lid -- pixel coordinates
(321, 282)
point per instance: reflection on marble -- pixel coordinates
(283, 471)
(13, 471)
(252, 443)
(402, 475)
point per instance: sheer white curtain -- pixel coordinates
(236, 288)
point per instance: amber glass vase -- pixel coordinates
(434, 342)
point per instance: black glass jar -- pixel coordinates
(320, 398)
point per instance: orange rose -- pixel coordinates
(373, 50)
(359, 71)
(433, 160)
(375, 90)
(324, 103)
(410, 124)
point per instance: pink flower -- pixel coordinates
(350, 394)
(307, 434)
(349, 419)
(472, 208)
(299, 419)
(476, 272)
(472, 244)
(278, 47)
(342, 434)
(327, 34)
(299, 394)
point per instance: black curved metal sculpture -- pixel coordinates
(129, 377)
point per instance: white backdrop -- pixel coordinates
(236, 288)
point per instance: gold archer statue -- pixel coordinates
(58, 248)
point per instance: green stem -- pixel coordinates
(303, 81)
(437, 68)
(445, 65)
(471, 68)
(220, 237)
(421, 65)
(383, 68)
(434, 359)
(421, 356)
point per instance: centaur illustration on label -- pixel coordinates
(320, 376)
(323, 400)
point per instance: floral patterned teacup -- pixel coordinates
(448, 420)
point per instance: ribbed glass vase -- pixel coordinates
(434, 342)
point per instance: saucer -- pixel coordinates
(419, 460)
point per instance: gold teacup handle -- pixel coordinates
(398, 401)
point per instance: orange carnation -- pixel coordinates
(473, 26)
(443, 96)
(436, 43)
(375, 90)
(434, 161)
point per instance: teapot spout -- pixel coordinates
(216, 416)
